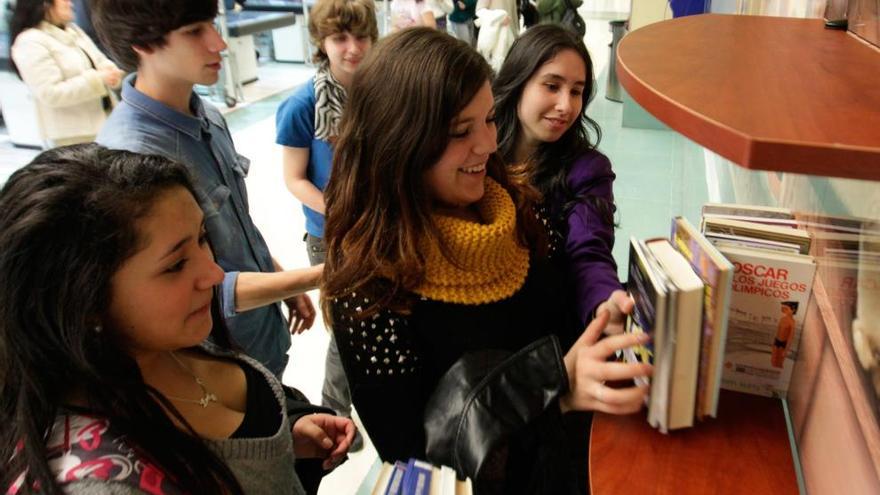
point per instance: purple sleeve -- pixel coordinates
(590, 239)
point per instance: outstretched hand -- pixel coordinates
(324, 436)
(588, 369)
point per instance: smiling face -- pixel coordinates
(552, 99)
(457, 179)
(191, 55)
(161, 296)
(345, 51)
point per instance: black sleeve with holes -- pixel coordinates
(382, 364)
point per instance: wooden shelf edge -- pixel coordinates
(754, 152)
(720, 139)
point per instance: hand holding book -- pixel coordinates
(618, 305)
(588, 369)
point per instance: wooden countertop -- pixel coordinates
(768, 93)
(743, 451)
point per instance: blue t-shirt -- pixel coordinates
(295, 127)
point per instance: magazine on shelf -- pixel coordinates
(750, 213)
(746, 229)
(751, 242)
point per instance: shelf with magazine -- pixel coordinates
(778, 132)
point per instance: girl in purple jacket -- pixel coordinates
(541, 93)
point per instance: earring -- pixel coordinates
(97, 329)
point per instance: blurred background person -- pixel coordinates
(410, 13)
(69, 77)
(462, 20)
(441, 8)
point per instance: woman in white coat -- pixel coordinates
(67, 74)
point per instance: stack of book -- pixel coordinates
(681, 287)
(773, 281)
(419, 478)
(724, 306)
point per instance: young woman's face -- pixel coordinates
(161, 296)
(61, 12)
(457, 179)
(345, 51)
(552, 99)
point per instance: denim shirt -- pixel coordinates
(202, 142)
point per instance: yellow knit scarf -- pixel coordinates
(489, 263)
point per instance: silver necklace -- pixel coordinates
(207, 397)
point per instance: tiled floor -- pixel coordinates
(658, 175)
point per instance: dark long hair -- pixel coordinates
(395, 127)
(27, 14)
(547, 169)
(67, 223)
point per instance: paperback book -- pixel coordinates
(767, 305)
(646, 286)
(668, 299)
(772, 284)
(716, 272)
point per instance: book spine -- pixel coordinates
(395, 484)
(417, 480)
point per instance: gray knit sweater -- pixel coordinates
(261, 465)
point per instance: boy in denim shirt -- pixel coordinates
(172, 46)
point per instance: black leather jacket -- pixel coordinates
(494, 417)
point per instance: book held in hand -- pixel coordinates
(724, 308)
(668, 298)
(646, 286)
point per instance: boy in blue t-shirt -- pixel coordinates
(343, 31)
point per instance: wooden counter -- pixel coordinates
(743, 451)
(768, 93)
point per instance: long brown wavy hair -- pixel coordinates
(396, 126)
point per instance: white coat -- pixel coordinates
(495, 39)
(65, 87)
